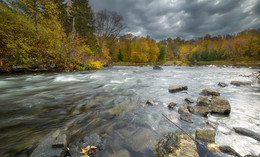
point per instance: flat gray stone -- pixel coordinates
(247, 132)
(53, 144)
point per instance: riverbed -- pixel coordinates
(112, 103)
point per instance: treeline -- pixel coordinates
(242, 46)
(47, 35)
(53, 35)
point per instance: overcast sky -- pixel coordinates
(183, 18)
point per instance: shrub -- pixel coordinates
(95, 65)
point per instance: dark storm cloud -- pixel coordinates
(184, 18)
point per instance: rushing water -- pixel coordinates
(111, 103)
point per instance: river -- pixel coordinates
(111, 103)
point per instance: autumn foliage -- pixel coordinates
(36, 38)
(54, 35)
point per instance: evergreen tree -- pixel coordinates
(84, 22)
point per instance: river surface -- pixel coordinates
(111, 103)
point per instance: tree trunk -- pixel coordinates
(72, 37)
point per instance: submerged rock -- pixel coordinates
(189, 100)
(120, 153)
(222, 84)
(176, 144)
(206, 135)
(185, 114)
(240, 83)
(220, 105)
(90, 140)
(156, 67)
(172, 105)
(54, 144)
(177, 88)
(247, 132)
(210, 92)
(203, 101)
(229, 150)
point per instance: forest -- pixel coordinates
(49, 35)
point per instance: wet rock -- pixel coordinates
(185, 114)
(229, 150)
(177, 88)
(189, 100)
(252, 155)
(210, 92)
(54, 144)
(156, 67)
(150, 103)
(220, 105)
(203, 101)
(202, 110)
(20, 69)
(206, 135)
(222, 84)
(240, 83)
(247, 132)
(140, 139)
(90, 140)
(172, 105)
(176, 145)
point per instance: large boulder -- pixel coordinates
(53, 144)
(203, 101)
(220, 105)
(185, 114)
(206, 135)
(210, 92)
(177, 88)
(239, 83)
(156, 67)
(247, 132)
(176, 144)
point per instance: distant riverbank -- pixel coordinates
(251, 63)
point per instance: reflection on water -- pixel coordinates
(111, 103)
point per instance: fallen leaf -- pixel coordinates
(213, 147)
(89, 150)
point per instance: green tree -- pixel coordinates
(163, 51)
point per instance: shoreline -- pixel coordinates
(248, 64)
(238, 64)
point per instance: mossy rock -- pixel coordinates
(176, 144)
(206, 135)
